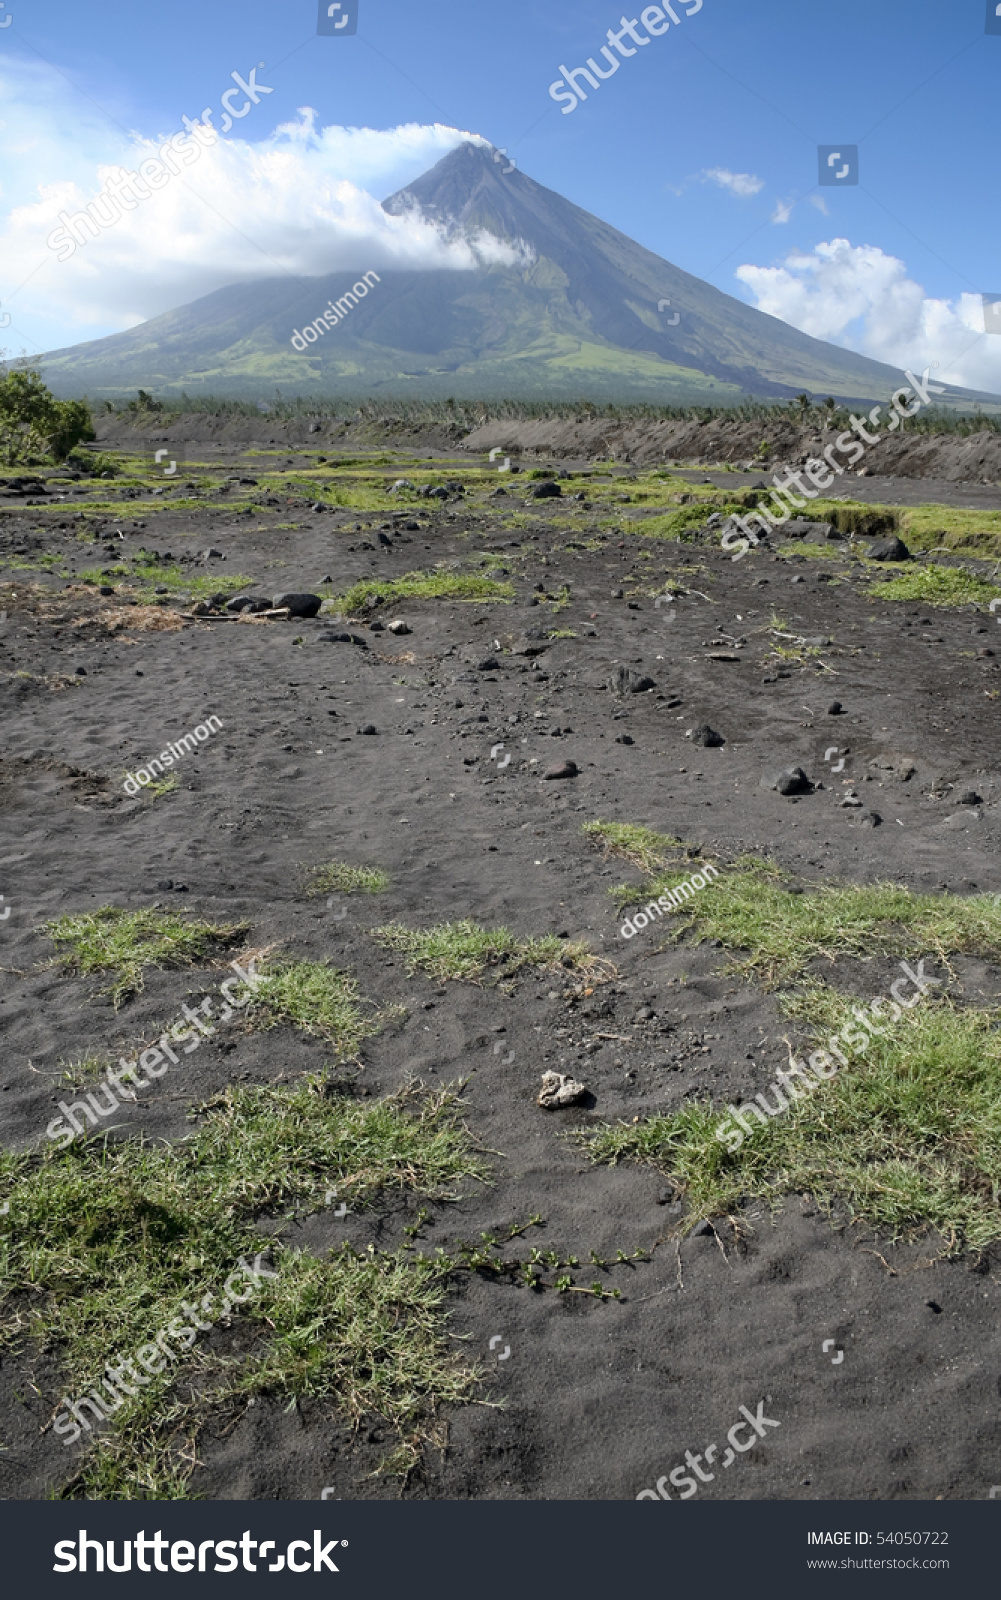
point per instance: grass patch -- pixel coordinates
(142, 578)
(936, 586)
(316, 998)
(110, 1239)
(337, 876)
(641, 846)
(749, 909)
(423, 586)
(464, 950)
(909, 1139)
(124, 943)
(160, 786)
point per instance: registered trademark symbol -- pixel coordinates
(344, 1542)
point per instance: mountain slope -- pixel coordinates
(581, 320)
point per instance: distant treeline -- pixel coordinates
(803, 412)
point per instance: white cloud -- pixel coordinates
(820, 203)
(861, 298)
(738, 183)
(299, 200)
(783, 211)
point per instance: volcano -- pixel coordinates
(585, 313)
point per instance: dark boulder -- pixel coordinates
(299, 605)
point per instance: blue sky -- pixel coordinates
(703, 146)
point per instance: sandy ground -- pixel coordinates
(600, 1400)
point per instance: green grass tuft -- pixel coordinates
(909, 1139)
(102, 1243)
(641, 846)
(316, 998)
(422, 586)
(464, 950)
(936, 586)
(338, 876)
(126, 942)
(748, 909)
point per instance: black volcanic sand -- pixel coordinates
(599, 1399)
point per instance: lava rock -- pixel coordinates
(532, 642)
(624, 681)
(820, 531)
(558, 1090)
(299, 605)
(624, 738)
(970, 797)
(248, 602)
(707, 736)
(212, 555)
(399, 627)
(369, 728)
(835, 709)
(889, 550)
(344, 638)
(563, 769)
(792, 781)
(547, 491)
(488, 664)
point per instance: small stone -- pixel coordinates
(558, 1090)
(165, 883)
(105, 589)
(870, 819)
(792, 781)
(399, 627)
(624, 738)
(489, 664)
(707, 737)
(81, 672)
(563, 769)
(835, 708)
(624, 681)
(970, 797)
(616, 594)
(211, 555)
(547, 491)
(851, 799)
(369, 728)
(702, 1228)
